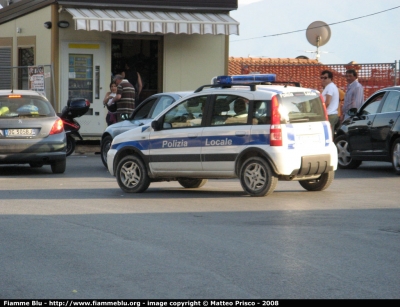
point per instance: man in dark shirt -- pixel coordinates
(125, 98)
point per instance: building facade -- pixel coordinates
(81, 44)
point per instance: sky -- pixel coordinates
(369, 39)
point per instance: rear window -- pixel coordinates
(23, 105)
(301, 107)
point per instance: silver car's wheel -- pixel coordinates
(396, 156)
(105, 147)
(257, 178)
(319, 184)
(132, 175)
(345, 161)
(59, 166)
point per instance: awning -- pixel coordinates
(154, 22)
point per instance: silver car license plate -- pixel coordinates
(19, 132)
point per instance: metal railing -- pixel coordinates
(373, 76)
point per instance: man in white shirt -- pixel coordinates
(331, 96)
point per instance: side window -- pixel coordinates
(161, 105)
(373, 105)
(221, 110)
(391, 102)
(238, 111)
(262, 114)
(144, 109)
(186, 114)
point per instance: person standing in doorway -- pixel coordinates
(354, 97)
(111, 117)
(134, 78)
(331, 97)
(125, 98)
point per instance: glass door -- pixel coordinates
(83, 67)
(80, 77)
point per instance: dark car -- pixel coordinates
(30, 131)
(143, 114)
(372, 133)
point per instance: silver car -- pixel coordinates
(30, 131)
(143, 114)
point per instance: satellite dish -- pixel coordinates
(318, 33)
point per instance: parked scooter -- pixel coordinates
(75, 107)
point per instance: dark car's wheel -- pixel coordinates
(132, 175)
(58, 167)
(257, 178)
(70, 145)
(396, 156)
(105, 147)
(319, 184)
(35, 164)
(190, 183)
(345, 161)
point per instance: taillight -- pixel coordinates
(58, 127)
(323, 103)
(276, 129)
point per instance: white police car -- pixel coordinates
(252, 130)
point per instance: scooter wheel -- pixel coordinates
(70, 145)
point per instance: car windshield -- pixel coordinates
(24, 106)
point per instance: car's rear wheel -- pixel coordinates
(190, 183)
(59, 166)
(105, 147)
(396, 156)
(345, 161)
(257, 178)
(319, 184)
(132, 175)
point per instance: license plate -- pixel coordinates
(309, 139)
(19, 132)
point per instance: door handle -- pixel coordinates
(192, 135)
(240, 133)
(369, 123)
(391, 121)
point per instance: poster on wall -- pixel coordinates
(36, 79)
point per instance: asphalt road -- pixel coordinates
(78, 236)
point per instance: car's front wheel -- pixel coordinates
(105, 147)
(132, 175)
(257, 178)
(319, 184)
(396, 156)
(345, 161)
(190, 183)
(59, 166)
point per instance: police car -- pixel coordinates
(242, 127)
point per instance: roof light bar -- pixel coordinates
(245, 78)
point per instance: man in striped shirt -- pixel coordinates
(125, 98)
(354, 97)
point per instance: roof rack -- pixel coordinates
(252, 85)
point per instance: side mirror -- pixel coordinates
(155, 125)
(352, 112)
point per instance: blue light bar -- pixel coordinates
(245, 78)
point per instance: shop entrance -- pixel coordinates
(143, 53)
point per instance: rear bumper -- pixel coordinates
(44, 158)
(32, 150)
